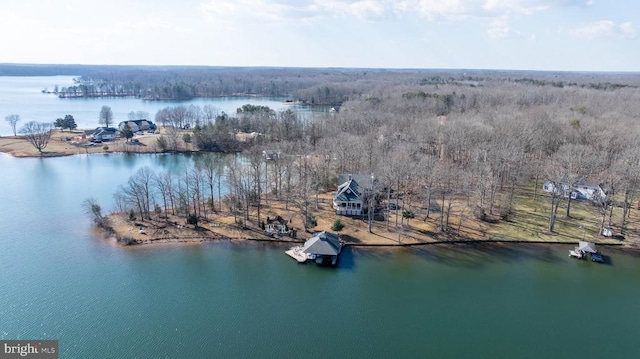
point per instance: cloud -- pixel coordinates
(606, 28)
(500, 29)
(496, 13)
(578, 3)
(526, 7)
(434, 10)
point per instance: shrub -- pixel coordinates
(132, 215)
(186, 138)
(311, 221)
(192, 219)
(337, 225)
(505, 212)
(105, 147)
(162, 143)
(478, 213)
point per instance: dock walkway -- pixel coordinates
(297, 254)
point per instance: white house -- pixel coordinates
(580, 191)
(590, 192)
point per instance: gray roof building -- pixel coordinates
(587, 247)
(323, 243)
(348, 191)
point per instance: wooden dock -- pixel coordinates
(297, 254)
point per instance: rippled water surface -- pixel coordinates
(59, 280)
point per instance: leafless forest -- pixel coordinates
(427, 136)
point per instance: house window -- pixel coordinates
(358, 205)
(342, 204)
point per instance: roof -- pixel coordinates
(278, 219)
(323, 243)
(347, 192)
(363, 181)
(271, 154)
(587, 247)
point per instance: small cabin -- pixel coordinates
(277, 226)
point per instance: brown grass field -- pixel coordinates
(527, 223)
(66, 143)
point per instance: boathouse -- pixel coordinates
(324, 247)
(587, 247)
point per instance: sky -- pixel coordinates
(552, 35)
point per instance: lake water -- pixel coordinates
(23, 96)
(60, 280)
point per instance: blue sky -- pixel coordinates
(574, 35)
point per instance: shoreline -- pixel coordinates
(115, 238)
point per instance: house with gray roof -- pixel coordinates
(347, 200)
(103, 134)
(580, 191)
(137, 125)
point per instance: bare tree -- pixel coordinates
(138, 115)
(209, 114)
(138, 191)
(13, 121)
(256, 160)
(164, 186)
(106, 116)
(576, 162)
(93, 209)
(38, 134)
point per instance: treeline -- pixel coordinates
(331, 86)
(211, 130)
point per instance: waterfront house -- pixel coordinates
(137, 125)
(351, 196)
(277, 226)
(324, 247)
(348, 200)
(104, 134)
